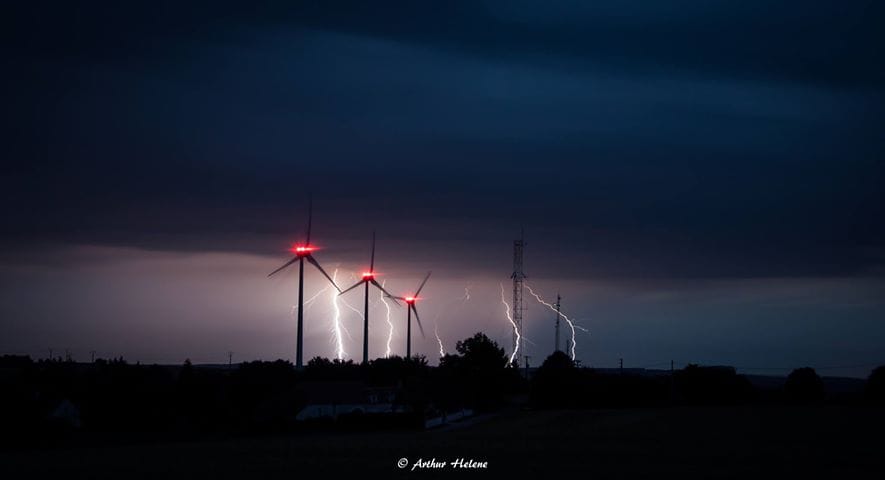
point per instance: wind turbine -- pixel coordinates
(303, 252)
(410, 306)
(368, 277)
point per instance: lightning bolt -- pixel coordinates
(310, 305)
(461, 301)
(571, 324)
(442, 351)
(515, 328)
(310, 300)
(344, 302)
(355, 310)
(336, 322)
(389, 323)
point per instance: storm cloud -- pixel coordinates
(632, 141)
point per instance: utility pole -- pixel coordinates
(518, 277)
(621, 365)
(50, 354)
(92, 356)
(230, 359)
(558, 300)
(527, 367)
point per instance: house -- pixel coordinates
(333, 399)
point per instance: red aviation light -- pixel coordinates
(411, 299)
(368, 275)
(302, 250)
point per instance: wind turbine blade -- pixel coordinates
(372, 262)
(392, 297)
(290, 262)
(418, 320)
(315, 263)
(357, 284)
(422, 284)
(310, 219)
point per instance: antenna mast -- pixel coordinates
(558, 300)
(518, 277)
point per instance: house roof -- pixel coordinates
(333, 392)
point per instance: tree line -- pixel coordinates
(43, 401)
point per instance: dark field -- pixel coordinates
(714, 442)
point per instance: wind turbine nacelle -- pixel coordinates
(302, 250)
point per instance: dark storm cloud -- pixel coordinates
(678, 138)
(827, 42)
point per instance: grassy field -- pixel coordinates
(725, 442)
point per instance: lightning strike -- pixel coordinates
(461, 301)
(568, 320)
(355, 310)
(515, 328)
(336, 322)
(389, 323)
(310, 300)
(343, 301)
(442, 351)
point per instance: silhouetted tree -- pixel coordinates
(396, 369)
(713, 385)
(320, 368)
(480, 371)
(15, 361)
(319, 362)
(188, 392)
(555, 382)
(481, 352)
(262, 394)
(557, 361)
(449, 360)
(803, 385)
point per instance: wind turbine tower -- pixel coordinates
(518, 277)
(303, 252)
(369, 278)
(411, 300)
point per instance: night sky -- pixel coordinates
(701, 180)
